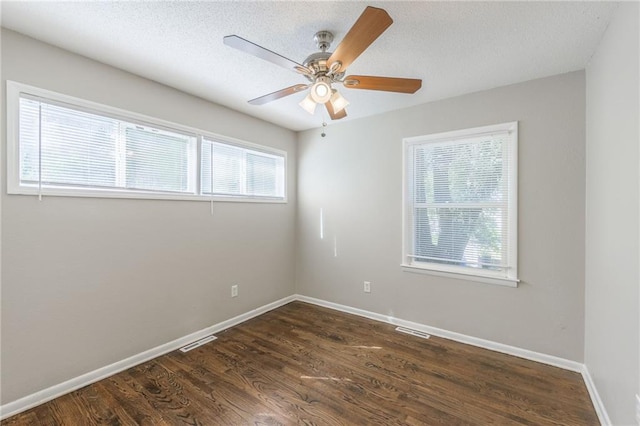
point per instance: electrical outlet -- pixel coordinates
(234, 290)
(367, 287)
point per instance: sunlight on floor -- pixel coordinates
(335, 379)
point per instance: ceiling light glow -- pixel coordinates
(338, 102)
(308, 104)
(321, 90)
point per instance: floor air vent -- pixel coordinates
(413, 332)
(198, 343)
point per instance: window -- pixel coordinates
(60, 145)
(237, 171)
(460, 204)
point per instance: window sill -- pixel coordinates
(505, 282)
(139, 195)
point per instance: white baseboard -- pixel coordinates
(595, 397)
(462, 338)
(55, 391)
(566, 364)
(60, 389)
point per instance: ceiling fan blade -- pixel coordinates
(387, 84)
(335, 115)
(262, 53)
(367, 28)
(279, 94)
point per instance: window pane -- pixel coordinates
(459, 236)
(240, 171)
(261, 175)
(460, 200)
(157, 160)
(78, 148)
(205, 168)
(227, 169)
(459, 173)
(29, 135)
(83, 149)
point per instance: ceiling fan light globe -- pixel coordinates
(338, 102)
(320, 92)
(308, 104)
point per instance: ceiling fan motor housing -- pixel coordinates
(317, 62)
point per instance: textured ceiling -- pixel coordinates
(454, 47)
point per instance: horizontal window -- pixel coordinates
(65, 146)
(461, 201)
(237, 171)
(62, 146)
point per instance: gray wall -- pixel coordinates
(87, 282)
(355, 176)
(612, 216)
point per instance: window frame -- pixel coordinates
(256, 148)
(509, 277)
(14, 186)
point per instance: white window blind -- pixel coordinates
(60, 145)
(63, 146)
(461, 205)
(239, 171)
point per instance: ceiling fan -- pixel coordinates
(324, 69)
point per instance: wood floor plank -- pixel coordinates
(276, 391)
(304, 364)
(228, 403)
(122, 389)
(242, 397)
(497, 389)
(336, 377)
(30, 418)
(362, 374)
(101, 407)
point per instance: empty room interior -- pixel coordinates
(320, 212)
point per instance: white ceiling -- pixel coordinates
(454, 47)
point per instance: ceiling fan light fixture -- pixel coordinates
(308, 104)
(324, 68)
(338, 102)
(321, 90)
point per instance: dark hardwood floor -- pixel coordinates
(303, 364)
